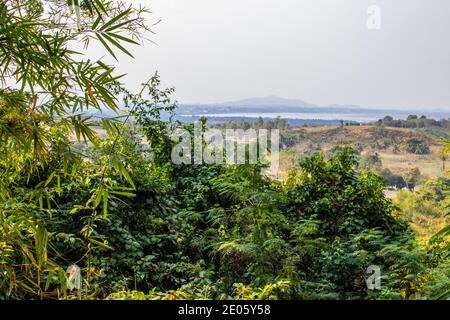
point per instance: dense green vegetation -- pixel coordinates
(141, 227)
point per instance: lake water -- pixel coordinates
(359, 117)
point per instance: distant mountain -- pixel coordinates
(263, 105)
(269, 101)
(275, 101)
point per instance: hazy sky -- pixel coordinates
(320, 51)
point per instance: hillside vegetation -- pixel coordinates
(399, 149)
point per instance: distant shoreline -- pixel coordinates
(291, 122)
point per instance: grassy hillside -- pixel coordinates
(391, 144)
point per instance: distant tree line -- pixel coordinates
(414, 121)
(277, 123)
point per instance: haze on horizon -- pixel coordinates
(318, 51)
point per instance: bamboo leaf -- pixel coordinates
(117, 45)
(115, 19)
(99, 37)
(101, 244)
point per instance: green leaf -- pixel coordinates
(117, 45)
(118, 36)
(101, 244)
(115, 19)
(49, 279)
(105, 203)
(99, 37)
(125, 174)
(125, 194)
